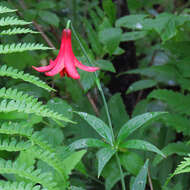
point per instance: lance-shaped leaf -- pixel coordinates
(141, 145)
(104, 155)
(101, 128)
(137, 122)
(140, 180)
(87, 143)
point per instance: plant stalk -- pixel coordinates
(121, 172)
(105, 105)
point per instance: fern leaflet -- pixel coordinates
(14, 73)
(20, 47)
(9, 106)
(9, 21)
(14, 128)
(7, 185)
(17, 31)
(13, 145)
(34, 175)
(6, 10)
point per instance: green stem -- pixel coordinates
(97, 81)
(68, 24)
(121, 172)
(105, 104)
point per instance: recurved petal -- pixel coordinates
(84, 67)
(45, 68)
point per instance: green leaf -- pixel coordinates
(46, 4)
(137, 122)
(178, 148)
(49, 18)
(110, 37)
(87, 143)
(71, 161)
(104, 155)
(141, 145)
(131, 161)
(105, 65)
(132, 36)
(140, 180)
(131, 21)
(110, 10)
(140, 85)
(101, 128)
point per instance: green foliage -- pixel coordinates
(16, 74)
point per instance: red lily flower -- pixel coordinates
(66, 62)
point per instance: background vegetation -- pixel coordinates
(56, 134)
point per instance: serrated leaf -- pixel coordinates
(178, 148)
(140, 180)
(141, 145)
(97, 124)
(104, 155)
(137, 122)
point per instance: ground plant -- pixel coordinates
(94, 95)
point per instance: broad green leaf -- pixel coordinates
(141, 145)
(137, 122)
(131, 21)
(140, 85)
(132, 36)
(178, 148)
(101, 128)
(76, 188)
(105, 65)
(110, 10)
(46, 4)
(49, 18)
(110, 37)
(140, 180)
(87, 143)
(71, 161)
(131, 161)
(104, 155)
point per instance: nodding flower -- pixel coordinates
(65, 62)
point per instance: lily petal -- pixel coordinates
(84, 67)
(45, 68)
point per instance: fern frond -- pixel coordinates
(38, 139)
(13, 145)
(14, 128)
(20, 106)
(20, 47)
(50, 158)
(184, 166)
(177, 101)
(17, 31)
(6, 10)
(34, 175)
(9, 21)
(7, 185)
(16, 74)
(14, 94)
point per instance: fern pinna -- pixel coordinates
(19, 135)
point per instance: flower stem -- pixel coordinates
(97, 82)
(105, 104)
(68, 24)
(121, 172)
